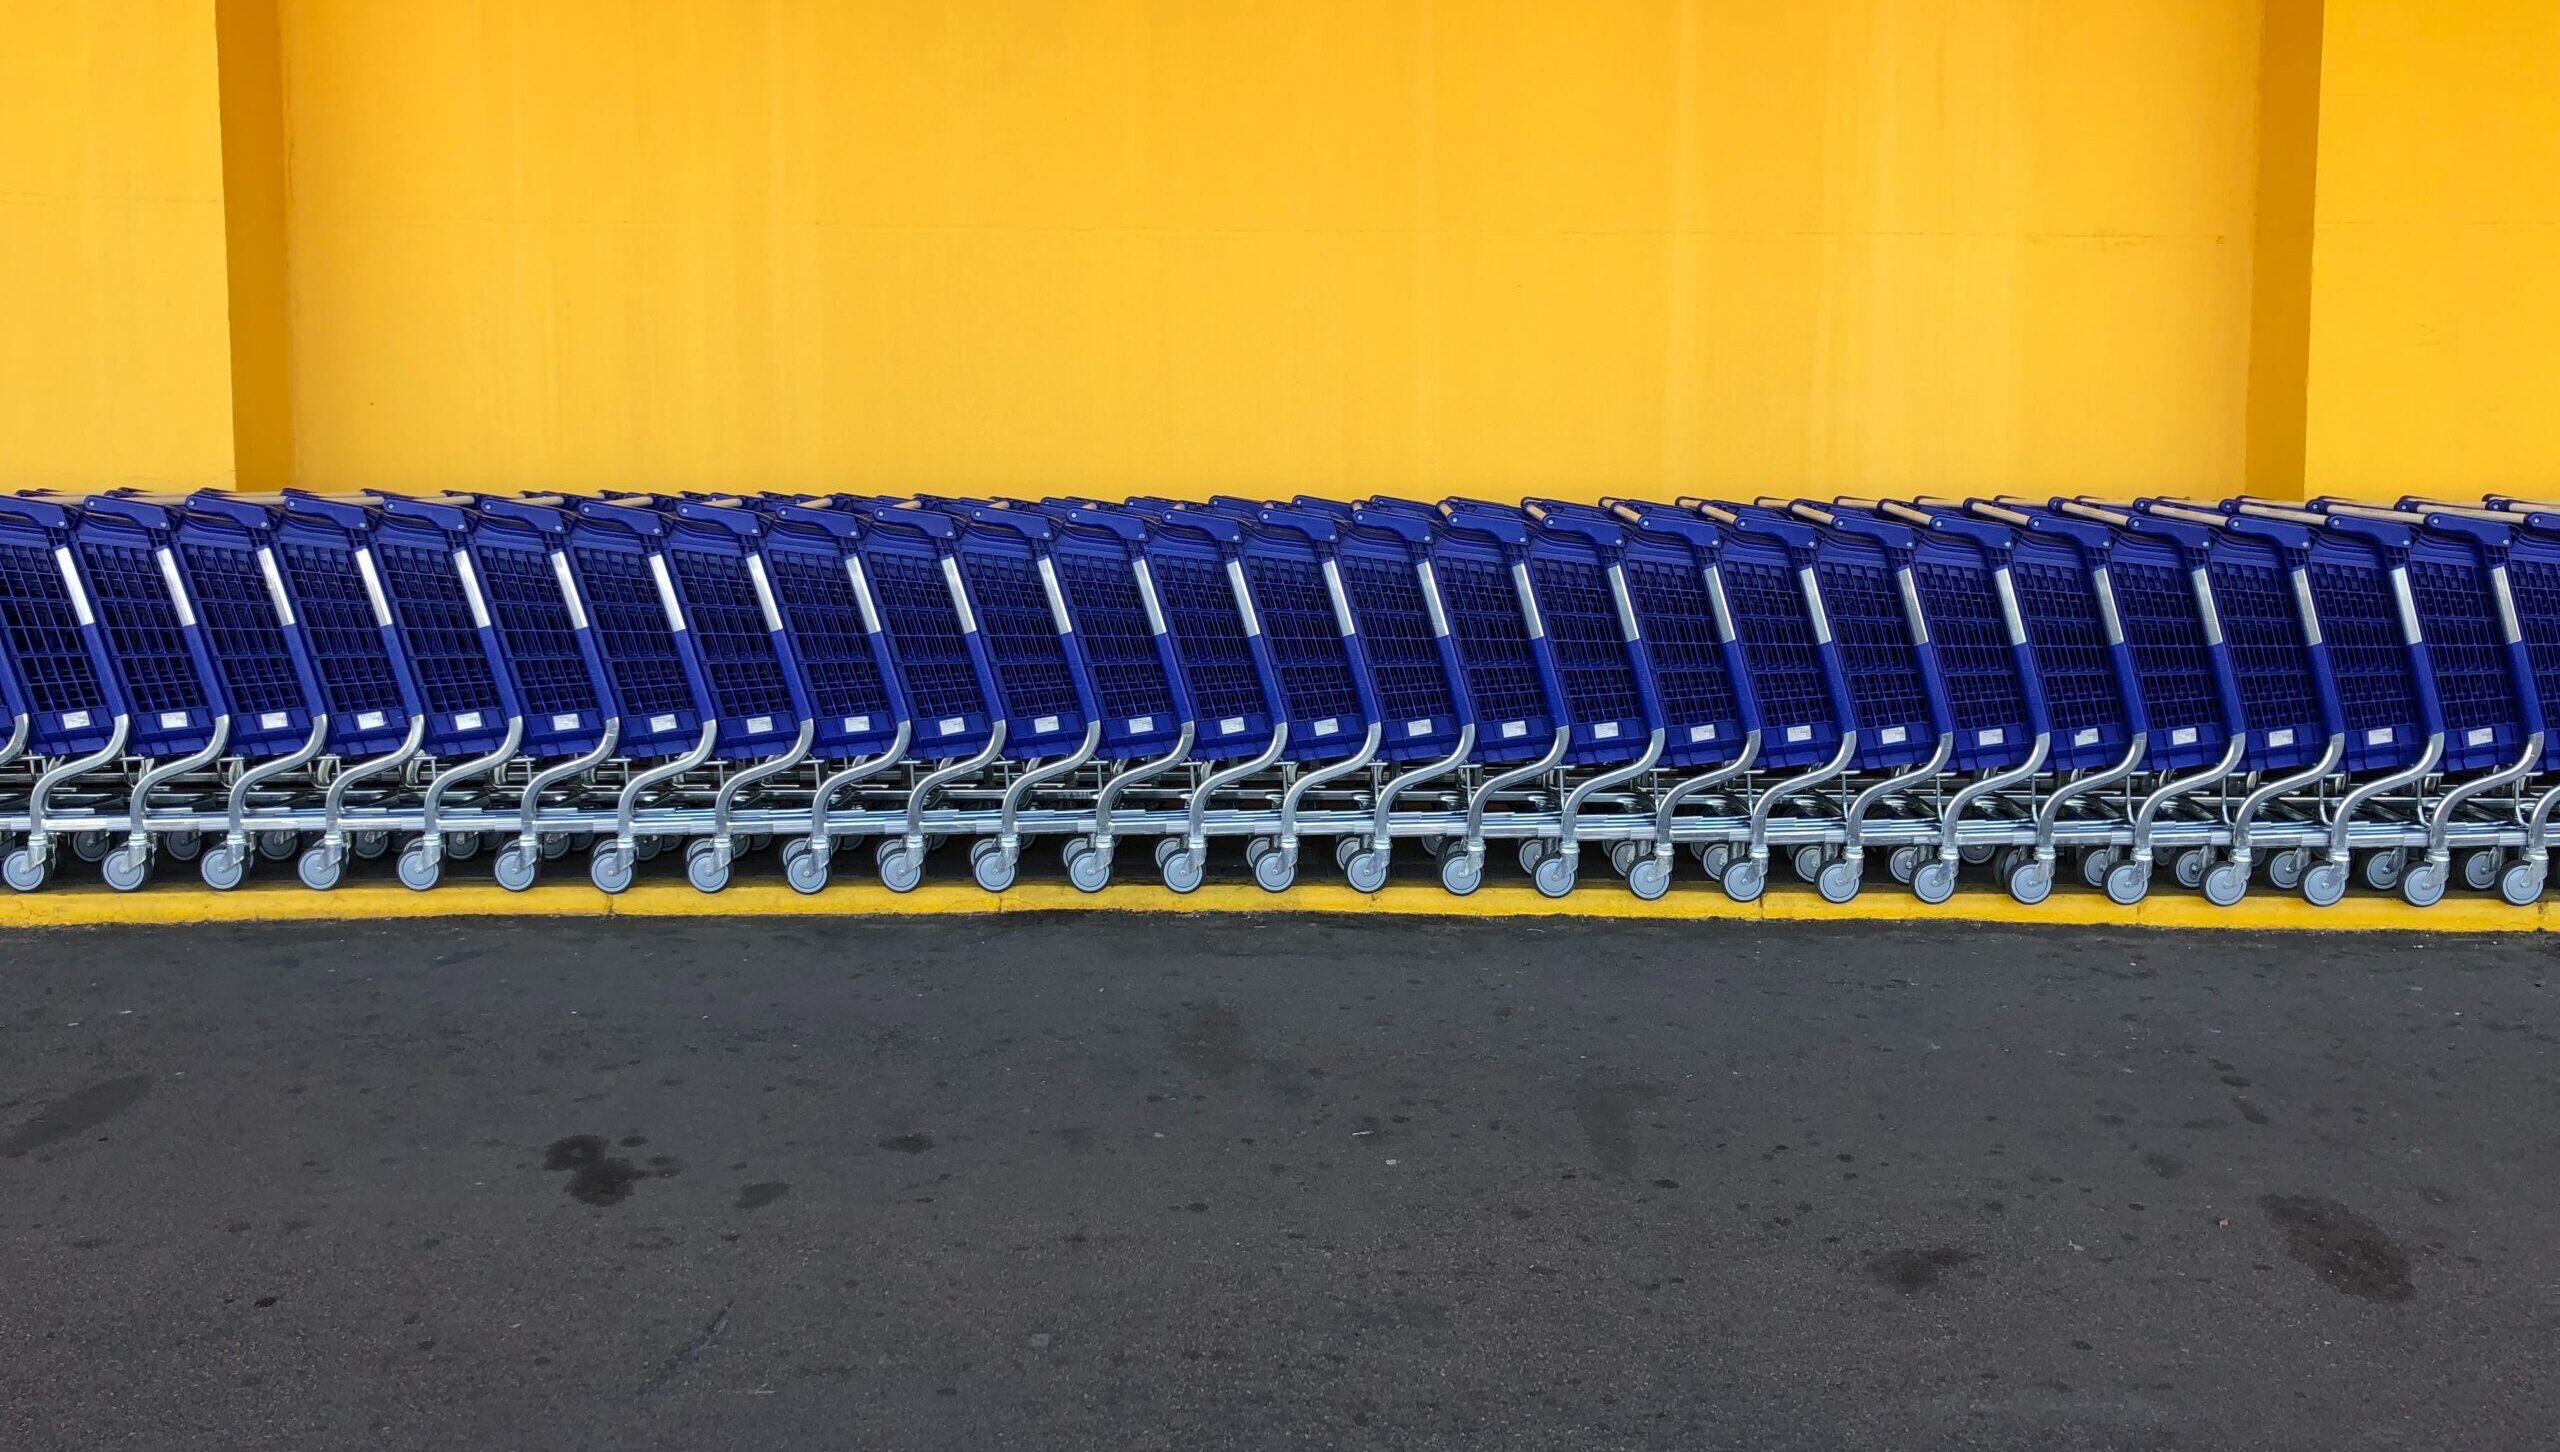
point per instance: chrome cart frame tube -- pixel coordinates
(935, 780)
(1618, 776)
(17, 741)
(336, 801)
(1381, 836)
(1504, 781)
(1333, 771)
(1757, 843)
(1663, 846)
(1195, 836)
(726, 802)
(2254, 803)
(628, 805)
(432, 803)
(137, 809)
(530, 833)
(2441, 823)
(1853, 823)
(2176, 787)
(1951, 851)
(821, 837)
(257, 776)
(2338, 825)
(2537, 827)
(80, 766)
(2049, 817)
(1008, 837)
(1145, 771)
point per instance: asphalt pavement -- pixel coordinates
(1143, 1182)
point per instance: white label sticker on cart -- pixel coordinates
(662, 723)
(1328, 726)
(273, 721)
(2379, 736)
(2085, 736)
(2480, 736)
(949, 726)
(566, 721)
(2282, 737)
(1997, 735)
(1042, 726)
(467, 721)
(1417, 728)
(1231, 726)
(758, 725)
(1702, 733)
(2182, 736)
(74, 720)
(1605, 731)
(1511, 729)
(1799, 733)
(1142, 723)
(173, 720)
(857, 723)
(369, 720)
(1893, 735)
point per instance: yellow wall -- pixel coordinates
(2435, 332)
(113, 366)
(1332, 244)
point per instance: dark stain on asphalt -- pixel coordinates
(1606, 1112)
(762, 1193)
(76, 1114)
(908, 1144)
(2348, 1252)
(1211, 1041)
(1916, 1269)
(2166, 1166)
(595, 1178)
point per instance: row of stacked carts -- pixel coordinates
(2033, 688)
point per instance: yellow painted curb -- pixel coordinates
(283, 901)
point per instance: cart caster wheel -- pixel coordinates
(2190, 866)
(1903, 863)
(2423, 884)
(1810, 860)
(1935, 882)
(989, 865)
(1273, 871)
(2095, 864)
(1166, 847)
(2324, 884)
(556, 845)
(1087, 868)
(647, 848)
(1366, 871)
(1745, 879)
(418, 871)
(462, 846)
(2225, 884)
(1623, 856)
(2128, 883)
(515, 867)
(703, 867)
(610, 867)
(1435, 847)
(1461, 871)
(369, 845)
(1977, 853)
(806, 869)
(2382, 870)
(900, 870)
(1840, 881)
(2006, 861)
(183, 846)
(1650, 878)
(1533, 850)
(2285, 869)
(322, 867)
(222, 867)
(1346, 848)
(1183, 870)
(277, 846)
(90, 846)
(1556, 873)
(757, 842)
(1714, 858)
(2521, 884)
(126, 869)
(2032, 882)
(2480, 869)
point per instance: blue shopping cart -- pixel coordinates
(1480, 558)
(1428, 718)
(78, 719)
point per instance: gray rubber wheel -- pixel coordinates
(276, 846)
(369, 845)
(1746, 879)
(2032, 882)
(805, 868)
(90, 846)
(1532, 851)
(223, 867)
(2225, 883)
(2423, 884)
(1935, 882)
(1903, 863)
(1366, 871)
(418, 871)
(462, 846)
(2095, 864)
(1346, 848)
(1650, 878)
(2521, 884)
(610, 868)
(2382, 869)
(2189, 868)
(1840, 882)
(2128, 883)
(900, 870)
(704, 869)
(1714, 858)
(321, 868)
(1809, 861)
(2324, 884)
(516, 868)
(994, 871)
(1273, 871)
(1087, 868)
(1624, 855)
(1461, 871)
(126, 869)
(2285, 869)
(1977, 853)
(2480, 869)
(1183, 871)
(1166, 847)
(183, 846)
(1556, 873)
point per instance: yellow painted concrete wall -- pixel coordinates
(2435, 336)
(113, 355)
(1486, 245)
